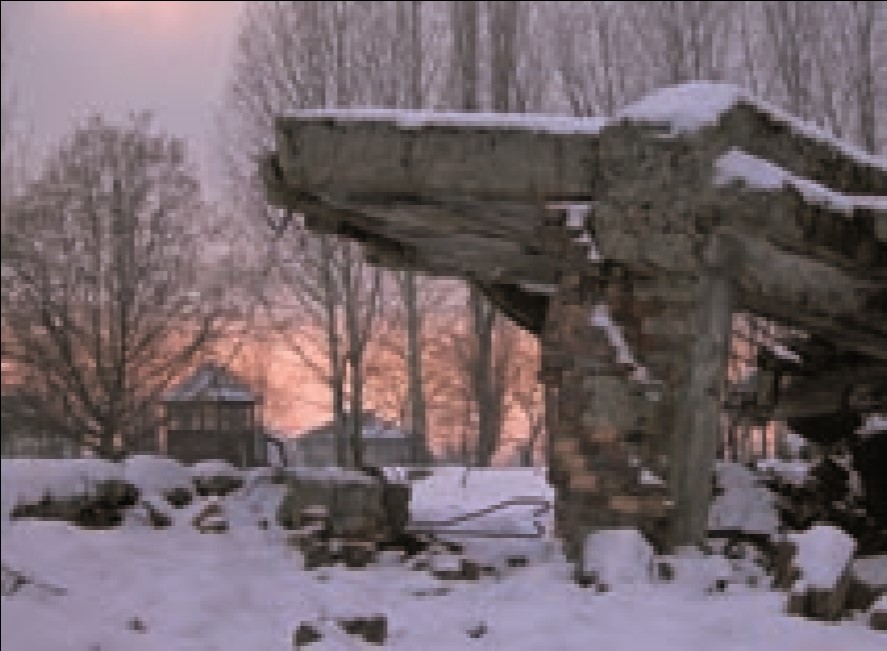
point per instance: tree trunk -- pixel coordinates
(336, 369)
(482, 314)
(418, 421)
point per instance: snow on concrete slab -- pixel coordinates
(617, 557)
(824, 553)
(692, 106)
(686, 107)
(757, 173)
(408, 119)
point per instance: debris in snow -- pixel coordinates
(11, 581)
(822, 558)
(878, 616)
(691, 570)
(615, 557)
(477, 631)
(372, 629)
(217, 480)
(99, 506)
(868, 581)
(823, 555)
(137, 625)
(210, 518)
(171, 580)
(305, 634)
(154, 513)
(178, 497)
(448, 567)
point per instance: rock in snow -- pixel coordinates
(823, 556)
(616, 557)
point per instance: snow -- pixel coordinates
(686, 107)
(28, 480)
(600, 318)
(782, 352)
(212, 469)
(695, 572)
(875, 424)
(792, 472)
(246, 589)
(617, 557)
(210, 382)
(744, 505)
(871, 570)
(155, 475)
(649, 478)
(824, 552)
(692, 106)
(795, 443)
(757, 173)
(406, 119)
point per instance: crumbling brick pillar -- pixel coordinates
(623, 423)
(604, 423)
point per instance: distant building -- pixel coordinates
(384, 444)
(21, 434)
(212, 414)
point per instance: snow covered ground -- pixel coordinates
(136, 587)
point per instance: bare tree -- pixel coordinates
(100, 282)
(312, 55)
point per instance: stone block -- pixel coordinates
(357, 505)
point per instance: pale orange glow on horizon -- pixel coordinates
(158, 16)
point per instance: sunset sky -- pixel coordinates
(68, 59)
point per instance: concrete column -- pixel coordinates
(696, 424)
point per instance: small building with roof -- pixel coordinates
(213, 414)
(384, 444)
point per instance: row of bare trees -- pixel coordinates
(110, 289)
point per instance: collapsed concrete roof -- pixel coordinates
(466, 195)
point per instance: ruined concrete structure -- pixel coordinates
(626, 245)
